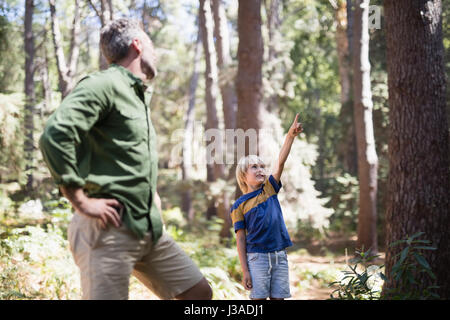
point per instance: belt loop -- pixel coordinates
(276, 258)
(270, 263)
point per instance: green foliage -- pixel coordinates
(410, 265)
(362, 282)
(11, 54)
(11, 136)
(343, 193)
(36, 264)
(315, 66)
(219, 264)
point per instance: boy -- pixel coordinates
(261, 233)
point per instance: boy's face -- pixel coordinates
(255, 175)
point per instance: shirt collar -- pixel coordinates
(131, 78)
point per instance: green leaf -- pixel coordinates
(410, 277)
(421, 241)
(403, 255)
(421, 260)
(416, 235)
(398, 275)
(395, 243)
(425, 248)
(430, 273)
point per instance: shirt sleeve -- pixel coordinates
(67, 127)
(271, 186)
(237, 217)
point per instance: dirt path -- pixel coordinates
(310, 275)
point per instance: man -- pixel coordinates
(101, 151)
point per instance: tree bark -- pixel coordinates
(222, 43)
(229, 99)
(46, 85)
(186, 166)
(29, 93)
(66, 71)
(347, 152)
(250, 59)
(342, 49)
(273, 8)
(419, 177)
(105, 14)
(215, 170)
(367, 156)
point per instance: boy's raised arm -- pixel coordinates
(294, 130)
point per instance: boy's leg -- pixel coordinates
(168, 271)
(279, 286)
(105, 257)
(259, 268)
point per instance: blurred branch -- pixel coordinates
(333, 4)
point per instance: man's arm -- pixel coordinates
(294, 131)
(65, 129)
(242, 252)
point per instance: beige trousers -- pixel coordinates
(107, 258)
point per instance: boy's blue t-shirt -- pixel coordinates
(259, 213)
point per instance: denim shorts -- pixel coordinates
(270, 274)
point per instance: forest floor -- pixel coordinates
(36, 263)
(312, 268)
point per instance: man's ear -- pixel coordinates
(136, 44)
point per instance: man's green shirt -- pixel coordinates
(101, 138)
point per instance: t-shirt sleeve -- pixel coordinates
(237, 217)
(271, 186)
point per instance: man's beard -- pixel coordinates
(148, 67)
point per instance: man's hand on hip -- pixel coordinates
(106, 210)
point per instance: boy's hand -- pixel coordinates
(247, 280)
(296, 127)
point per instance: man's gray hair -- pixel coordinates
(116, 38)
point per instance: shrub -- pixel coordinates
(362, 282)
(410, 264)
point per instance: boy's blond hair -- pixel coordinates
(241, 169)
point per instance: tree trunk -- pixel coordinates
(365, 140)
(29, 93)
(105, 14)
(347, 152)
(186, 167)
(74, 49)
(215, 169)
(250, 59)
(66, 71)
(273, 8)
(222, 42)
(342, 49)
(46, 85)
(229, 99)
(419, 177)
